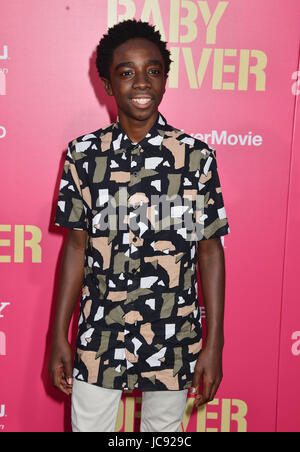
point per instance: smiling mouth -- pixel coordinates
(141, 101)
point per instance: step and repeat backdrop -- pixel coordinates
(234, 83)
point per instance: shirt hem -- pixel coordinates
(144, 388)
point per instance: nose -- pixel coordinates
(141, 80)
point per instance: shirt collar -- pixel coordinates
(153, 138)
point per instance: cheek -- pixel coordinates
(118, 95)
(161, 91)
(160, 87)
(121, 90)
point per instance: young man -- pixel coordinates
(139, 325)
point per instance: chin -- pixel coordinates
(144, 114)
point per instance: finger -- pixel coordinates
(203, 398)
(59, 380)
(196, 381)
(57, 373)
(68, 372)
(207, 386)
(63, 386)
(213, 391)
(199, 401)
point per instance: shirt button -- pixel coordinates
(134, 239)
(135, 174)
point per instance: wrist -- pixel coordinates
(215, 343)
(59, 333)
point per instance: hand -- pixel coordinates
(60, 366)
(209, 368)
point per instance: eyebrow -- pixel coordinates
(131, 63)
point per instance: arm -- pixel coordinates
(212, 275)
(71, 279)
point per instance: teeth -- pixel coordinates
(142, 101)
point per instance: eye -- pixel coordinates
(154, 71)
(125, 73)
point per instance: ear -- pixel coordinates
(107, 86)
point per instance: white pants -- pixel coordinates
(95, 409)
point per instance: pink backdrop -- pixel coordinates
(233, 84)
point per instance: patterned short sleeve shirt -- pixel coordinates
(144, 206)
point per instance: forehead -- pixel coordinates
(137, 49)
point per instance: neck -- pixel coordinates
(137, 130)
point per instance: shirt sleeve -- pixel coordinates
(70, 210)
(210, 215)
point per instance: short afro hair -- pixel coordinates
(122, 32)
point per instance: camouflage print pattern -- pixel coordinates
(139, 324)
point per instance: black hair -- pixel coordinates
(122, 32)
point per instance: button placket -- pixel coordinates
(133, 273)
(136, 157)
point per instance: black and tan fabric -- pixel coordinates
(145, 206)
